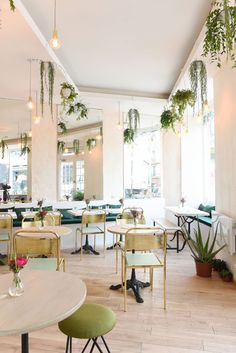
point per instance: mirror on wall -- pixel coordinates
(80, 157)
(142, 158)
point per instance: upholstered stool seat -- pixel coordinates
(90, 321)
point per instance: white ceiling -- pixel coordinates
(126, 45)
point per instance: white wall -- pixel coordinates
(44, 158)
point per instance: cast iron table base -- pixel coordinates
(133, 284)
(116, 244)
(25, 343)
(86, 248)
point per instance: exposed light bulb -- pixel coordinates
(37, 119)
(99, 137)
(66, 150)
(82, 152)
(90, 152)
(30, 133)
(119, 126)
(19, 144)
(30, 103)
(54, 42)
(206, 105)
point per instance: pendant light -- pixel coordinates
(54, 42)
(30, 103)
(36, 117)
(30, 130)
(119, 126)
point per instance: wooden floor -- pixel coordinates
(200, 315)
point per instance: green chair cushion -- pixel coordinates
(45, 208)
(113, 206)
(45, 264)
(205, 220)
(4, 237)
(141, 259)
(91, 230)
(207, 208)
(65, 213)
(89, 321)
(98, 206)
(6, 209)
(19, 211)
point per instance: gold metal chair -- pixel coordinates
(138, 253)
(49, 220)
(90, 219)
(42, 247)
(6, 225)
(124, 219)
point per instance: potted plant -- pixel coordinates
(91, 143)
(12, 5)
(198, 79)
(180, 100)
(61, 146)
(24, 144)
(202, 252)
(129, 136)
(220, 33)
(78, 108)
(169, 119)
(226, 275)
(77, 195)
(5, 188)
(62, 126)
(3, 147)
(67, 93)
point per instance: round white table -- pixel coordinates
(49, 297)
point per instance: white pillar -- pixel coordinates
(44, 159)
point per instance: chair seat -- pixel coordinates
(48, 264)
(89, 321)
(4, 237)
(91, 230)
(142, 259)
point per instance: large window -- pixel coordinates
(142, 161)
(14, 170)
(71, 177)
(209, 159)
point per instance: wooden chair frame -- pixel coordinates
(144, 240)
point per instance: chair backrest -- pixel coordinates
(128, 218)
(57, 218)
(92, 216)
(36, 244)
(6, 221)
(145, 238)
(26, 223)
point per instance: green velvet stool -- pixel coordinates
(89, 322)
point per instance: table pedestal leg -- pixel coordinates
(87, 248)
(133, 284)
(25, 343)
(116, 244)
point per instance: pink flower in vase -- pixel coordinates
(21, 261)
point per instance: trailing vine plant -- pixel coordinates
(220, 36)
(69, 102)
(12, 5)
(78, 108)
(63, 127)
(47, 77)
(179, 102)
(133, 124)
(3, 147)
(76, 146)
(61, 145)
(24, 144)
(129, 135)
(198, 79)
(91, 143)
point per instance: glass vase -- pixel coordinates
(17, 287)
(135, 221)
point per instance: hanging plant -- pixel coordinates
(180, 100)
(198, 79)
(63, 127)
(129, 135)
(76, 146)
(24, 145)
(3, 147)
(67, 93)
(47, 77)
(61, 146)
(78, 108)
(220, 36)
(12, 5)
(133, 119)
(168, 119)
(91, 143)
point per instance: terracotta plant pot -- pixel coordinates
(203, 269)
